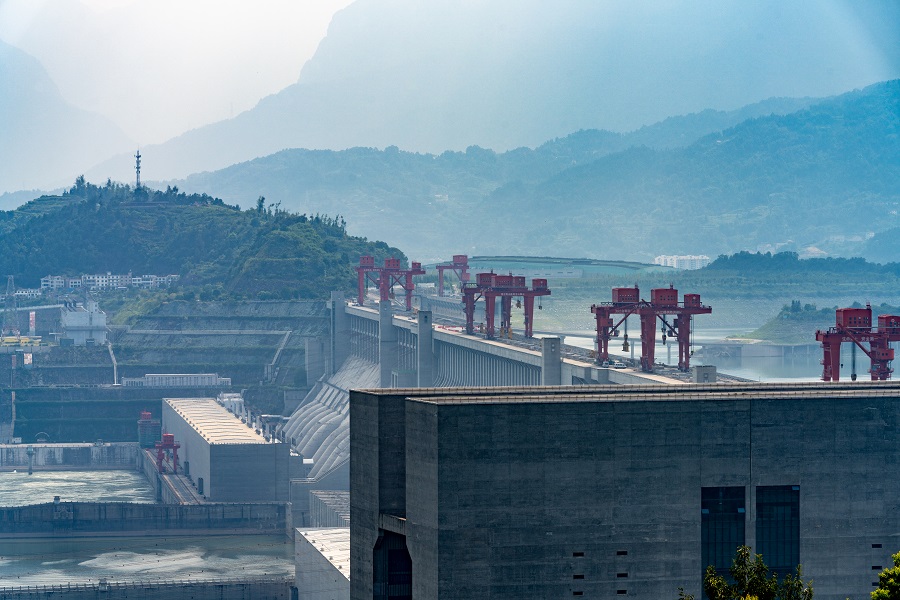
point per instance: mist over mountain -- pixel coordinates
(447, 75)
(44, 141)
(819, 180)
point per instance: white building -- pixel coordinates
(177, 380)
(106, 281)
(685, 261)
(322, 563)
(85, 325)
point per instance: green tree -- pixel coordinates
(889, 582)
(753, 582)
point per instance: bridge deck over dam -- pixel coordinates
(457, 359)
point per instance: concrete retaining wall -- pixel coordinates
(269, 588)
(92, 518)
(70, 456)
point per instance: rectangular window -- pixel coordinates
(778, 527)
(577, 576)
(722, 526)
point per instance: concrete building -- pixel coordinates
(226, 459)
(688, 261)
(611, 491)
(322, 559)
(84, 324)
(329, 508)
(177, 380)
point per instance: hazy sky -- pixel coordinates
(160, 67)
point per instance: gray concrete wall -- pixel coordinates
(499, 496)
(364, 491)
(119, 455)
(71, 519)
(249, 472)
(245, 589)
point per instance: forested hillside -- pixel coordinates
(821, 181)
(263, 252)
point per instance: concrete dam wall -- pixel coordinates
(70, 456)
(271, 588)
(66, 519)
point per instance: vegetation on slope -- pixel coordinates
(261, 253)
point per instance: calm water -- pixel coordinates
(763, 368)
(55, 561)
(20, 488)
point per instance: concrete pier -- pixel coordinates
(387, 343)
(551, 361)
(425, 350)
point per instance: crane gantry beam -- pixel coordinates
(663, 303)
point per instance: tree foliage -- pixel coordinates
(889, 582)
(261, 253)
(751, 580)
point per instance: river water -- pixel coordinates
(85, 560)
(21, 489)
(801, 367)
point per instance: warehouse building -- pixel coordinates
(226, 459)
(620, 491)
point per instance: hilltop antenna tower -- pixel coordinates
(10, 310)
(137, 170)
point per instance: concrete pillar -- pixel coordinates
(425, 351)
(315, 360)
(339, 328)
(387, 343)
(551, 364)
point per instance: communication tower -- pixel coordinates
(137, 170)
(10, 309)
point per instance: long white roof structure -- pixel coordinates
(213, 421)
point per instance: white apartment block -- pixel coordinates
(683, 261)
(106, 281)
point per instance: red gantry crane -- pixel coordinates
(459, 265)
(663, 303)
(854, 325)
(506, 287)
(167, 443)
(386, 277)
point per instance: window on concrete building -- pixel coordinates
(723, 514)
(778, 527)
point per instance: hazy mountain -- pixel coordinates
(43, 140)
(822, 177)
(512, 73)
